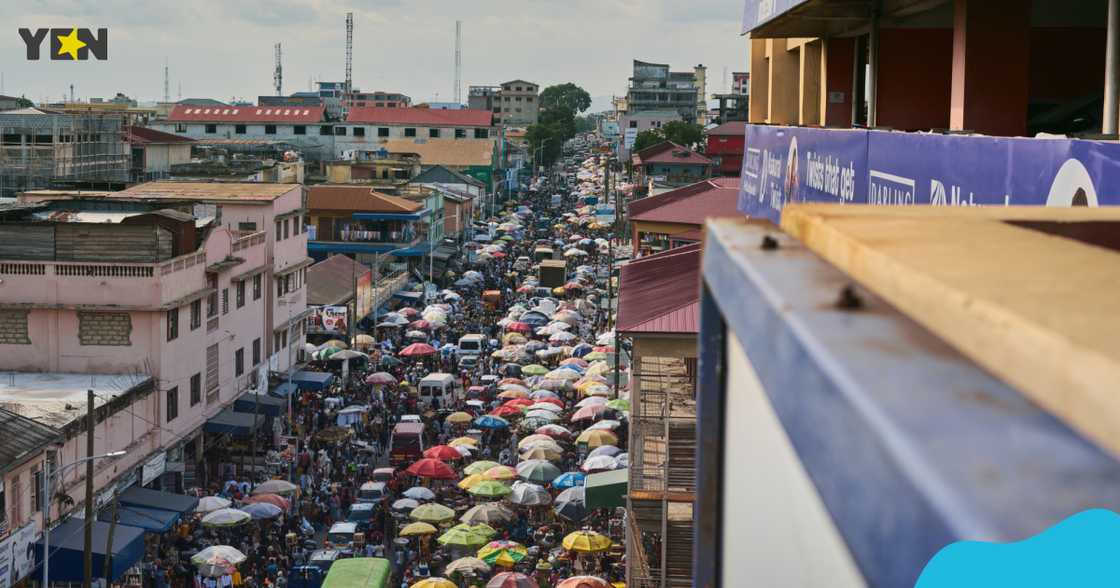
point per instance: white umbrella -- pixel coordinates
(420, 493)
(528, 494)
(606, 425)
(599, 462)
(211, 504)
(591, 400)
(226, 517)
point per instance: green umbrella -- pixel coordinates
(490, 489)
(464, 536)
(432, 513)
(529, 424)
(619, 404)
(479, 467)
(478, 528)
(534, 369)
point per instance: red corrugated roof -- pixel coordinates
(671, 153)
(661, 293)
(690, 204)
(241, 114)
(735, 127)
(145, 135)
(421, 117)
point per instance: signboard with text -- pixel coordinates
(153, 468)
(17, 555)
(328, 318)
(364, 290)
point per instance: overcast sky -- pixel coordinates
(224, 48)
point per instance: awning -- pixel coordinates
(229, 421)
(312, 380)
(155, 520)
(284, 389)
(606, 489)
(137, 496)
(268, 405)
(68, 541)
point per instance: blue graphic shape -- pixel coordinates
(1079, 551)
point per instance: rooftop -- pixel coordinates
(22, 437)
(668, 152)
(456, 152)
(145, 135)
(357, 198)
(208, 191)
(331, 281)
(288, 114)
(421, 117)
(660, 293)
(737, 128)
(442, 175)
(57, 399)
(691, 204)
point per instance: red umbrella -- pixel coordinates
(432, 468)
(504, 381)
(518, 327)
(518, 402)
(506, 411)
(555, 401)
(524, 289)
(417, 350)
(408, 312)
(555, 431)
(603, 348)
(511, 580)
(498, 254)
(591, 411)
(420, 324)
(443, 452)
(273, 499)
(573, 286)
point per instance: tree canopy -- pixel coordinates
(679, 132)
(565, 97)
(557, 123)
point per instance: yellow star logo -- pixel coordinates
(70, 44)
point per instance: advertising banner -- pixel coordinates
(791, 164)
(328, 318)
(364, 302)
(17, 555)
(6, 563)
(153, 468)
(759, 12)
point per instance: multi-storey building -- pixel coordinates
(369, 128)
(302, 127)
(654, 87)
(520, 104)
(484, 98)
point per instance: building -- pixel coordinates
(45, 149)
(654, 87)
(659, 312)
(675, 218)
(9, 102)
(296, 99)
(168, 300)
(740, 82)
(725, 147)
(305, 128)
(857, 358)
(154, 152)
(377, 167)
(27, 445)
(374, 128)
(441, 105)
(476, 158)
(519, 102)
(484, 98)
(465, 197)
(355, 220)
(359, 99)
(669, 164)
(631, 124)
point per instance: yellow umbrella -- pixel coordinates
(586, 542)
(464, 441)
(419, 528)
(434, 583)
(336, 344)
(541, 452)
(597, 437)
(480, 467)
(432, 513)
(459, 418)
(471, 481)
(501, 473)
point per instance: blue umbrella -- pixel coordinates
(262, 510)
(581, 350)
(569, 480)
(489, 421)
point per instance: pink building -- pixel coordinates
(168, 299)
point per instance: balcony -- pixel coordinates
(367, 237)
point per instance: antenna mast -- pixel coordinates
(458, 61)
(349, 53)
(166, 83)
(278, 75)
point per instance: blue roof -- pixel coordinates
(312, 380)
(337, 247)
(156, 520)
(67, 550)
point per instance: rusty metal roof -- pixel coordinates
(691, 204)
(661, 293)
(244, 191)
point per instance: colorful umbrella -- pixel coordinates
(570, 505)
(335, 343)
(512, 580)
(281, 487)
(418, 528)
(262, 510)
(403, 504)
(584, 582)
(445, 452)
(503, 553)
(464, 536)
(489, 513)
(540, 452)
(432, 468)
(618, 404)
(419, 493)
(471, 481)
(589, 412)
(501, 473)
(417, 350)
(380, 378)
(487, 421)
(226, 517)
(568, 480)
(586, 541)
(596, 437)
(218, 555)
(506, 411)
(434, 583)
(528, 441)
(555, 431)
(460, 441)
(211, 504)
(489, 489)
(459, 418)
(432, 513)
(480, 467)
(537, 470)
(526, 494)
(534, 369)
(471, 566)
(608, 450)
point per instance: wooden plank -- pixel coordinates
(1038, 311)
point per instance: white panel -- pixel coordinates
(776, 530)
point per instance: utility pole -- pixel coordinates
(278, 74)
(87, 568)
(166, 83)
(109, 542)
(458, 61)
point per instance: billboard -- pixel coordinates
(364, 291)
(328, 318)
(760, 12)
(854, 166)
(17, 555)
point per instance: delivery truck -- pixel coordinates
(551, 273)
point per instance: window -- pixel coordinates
(257, 287)
(382, 131)
(196, 314)
(359, 131)
(280, 283)
(239, 362)
(481, 134)
(239, 129)
(212, 299)
(341, 131)
(433, 133)
(460, 133)
(270, 129)
(299, 130)
(172, 403)
(286, 233)
(212, 367)
(211, 129)
(36, 490)
(278, 233)
(256, 351)
(517, 99)
(247, 227)
(225, 300)
(528, 98)
(517, 88)
(409, 132)
(180, 128)
(196, 389)
(505, 98)
(240, 294)
(297, 224)
(172, 324)
(633, 124)
(326, 130)
(497, 109)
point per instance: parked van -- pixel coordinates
(471, 345)
(341, 536)
(437, 386)
(361, 514)
(372, 492)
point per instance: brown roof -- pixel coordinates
(143, 135)
(735, 127)
(456, 152)
(331, 281)
(670, 153)
(661, 293)
(690, 204)
(355, 198)
(245, 191)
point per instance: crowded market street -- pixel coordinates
(455, 438)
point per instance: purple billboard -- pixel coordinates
(793, 164)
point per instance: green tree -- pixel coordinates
(682, 133)
(23, 102)
(647, 139)
(566, 97)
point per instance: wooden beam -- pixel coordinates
(1039, 311)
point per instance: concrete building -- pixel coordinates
(740, 82)
(155, 152)
(355, 220)
(359, 99)
(296, 99)
(669, 164)
(44, 149)
(9, 102)
(27, 445)
(654, 87)
(484, 98)
(725, 145)
(303, 127)
(372, 128)
(676, 218)
(520, 104)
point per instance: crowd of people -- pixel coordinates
(493, 492)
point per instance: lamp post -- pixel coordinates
(47, 503)
(291, 421)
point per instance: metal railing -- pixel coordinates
(248, 241)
